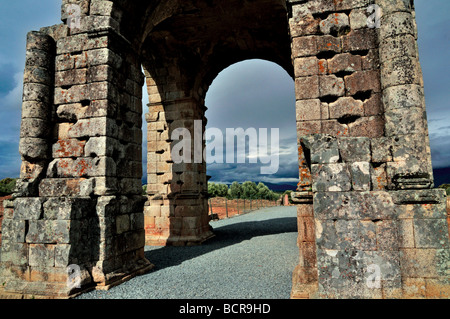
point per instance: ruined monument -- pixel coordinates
(370, 223)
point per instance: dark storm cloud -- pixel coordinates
(256, 94)
(434, 49)
(253, 93)
(17, 19)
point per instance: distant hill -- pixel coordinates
(281, 187)
(441, 176)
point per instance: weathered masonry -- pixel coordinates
(370, 223)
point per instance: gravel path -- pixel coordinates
(252, 256)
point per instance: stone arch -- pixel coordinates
(365, 197)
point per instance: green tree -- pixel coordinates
(212, 190)
(222, 190)
(217, 190)
(264, 192)
(7, 186)
(249, 190)
(446, 187)
(235, 190)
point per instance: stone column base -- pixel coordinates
(169, 240)
(56, 285)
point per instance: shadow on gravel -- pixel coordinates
(225, 236)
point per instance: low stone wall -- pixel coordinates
(221, 207)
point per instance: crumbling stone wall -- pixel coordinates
(370, 226)
(370, 223)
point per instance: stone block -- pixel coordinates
(391, 6)
(307, 88)
(70, 44)
(437, 288)
(311, 7)
(306, 229)
(122, 224)
(424, 263)
(403, 70)
(373, 105)
(372, 127)
(403, 96)
(367, 236)
(331, 177)
(65, 208)
(49, 232)
(387, 235)
(305, 210)
(307, 66)
(409, 148)
(28, 208)
(105, 8)
(71, 77)
(358, 18)
(72, 94)
(354, 149)
(56, 187)
(322, 148)
(307, 110)
(40, 75)
(335, 24)
(394, 47)
(374, 205)
(328, 44)
(363, 81)
(404, 121)
(303, 26)
(359, 40)
(361, 177)
(90, 23)
(378, 177)
(406, 233)
(396, 24)
(13, 230)
(307, 254)
(345, 62)
(346, 107)
(334, 128)
(351, 4)
(63, 256)
(34, 128)
(34, 148)
(68, 148)
(38, 59)
(14, 253)
(331, 85)
(381, 150)
(40, 41)
(137, 221)
(304, 46)
(82, 167)
(42, 255)
(94, 127)
(35, 109)
(431, 233)
(371, 61)
(104, 56)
